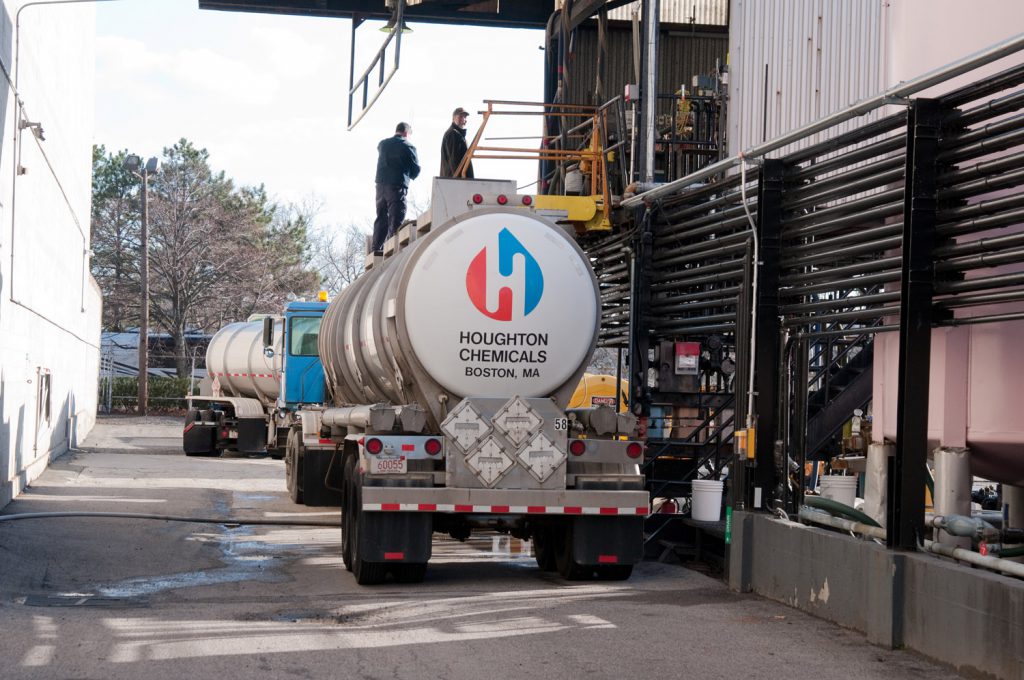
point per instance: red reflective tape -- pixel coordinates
(392, 507)
(536, 509)
(463, 508)
(189, 426)
(499, 508)
(573, 510)
(427, 507)
(408, 447)
(394, 555)
(607, 559)
(642, 510)
(326, 441)
(609, 511)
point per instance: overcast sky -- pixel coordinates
(267, 95)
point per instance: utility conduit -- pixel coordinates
(994, 563)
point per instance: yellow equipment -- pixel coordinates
(599, 390)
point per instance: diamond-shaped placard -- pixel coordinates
(464, 426)
(489, 462)
(541, 457)
(517, 421)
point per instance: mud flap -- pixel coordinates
(608, 540)
(395, 537)
(199, 439)
(252, 435)
(317, 488)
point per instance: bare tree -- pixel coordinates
(338, 255)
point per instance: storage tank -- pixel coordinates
(495, 303)
(236, 360)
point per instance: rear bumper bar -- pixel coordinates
(506, 501)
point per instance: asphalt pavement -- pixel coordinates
(125, 598)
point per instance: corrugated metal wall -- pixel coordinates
(816, 55)
(682, 55)
(708, 12)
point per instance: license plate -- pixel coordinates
(388, 466)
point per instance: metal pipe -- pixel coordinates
(845, 252)
(841, 272)
(689, 297)
(982, 186)
(952, 491)
(877, 174)
(857, 218)
(981, 261)
(683, 231)
(857, 205)
(720, 251)
(990, 109)
(989, 318)
(842, 284)
(983, 147)
(849, 331)
(841, 303)
(995, 166)
(860, 108)
(976, 90)
(652, 11)
(869, 313)
(667, 308)
(874, 150)
(796, 251)
(984, 283)
(993, 243)
(982, 299)
(1004, 219)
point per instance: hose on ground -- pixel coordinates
(233, 521)
(836, 508)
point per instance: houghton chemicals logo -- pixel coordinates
(478, 278)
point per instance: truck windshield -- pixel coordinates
(303, 333)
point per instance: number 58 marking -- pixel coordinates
(561, 424)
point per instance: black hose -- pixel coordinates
(836, 508)
(254, 521)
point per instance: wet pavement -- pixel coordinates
(129, 598)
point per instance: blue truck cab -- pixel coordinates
(302, 375)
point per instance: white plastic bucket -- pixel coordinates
(707, 500)
(840, 488)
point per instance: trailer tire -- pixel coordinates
(366, 573)
(293, 467)
(565, 559)
(543, 548)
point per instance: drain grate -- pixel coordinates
(83, 601)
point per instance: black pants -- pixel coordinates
(390, 213)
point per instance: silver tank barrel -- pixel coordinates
(235, 359)
(495, 303)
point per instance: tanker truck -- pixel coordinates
(449, 364)
(260, 373)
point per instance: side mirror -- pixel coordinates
(268, 334)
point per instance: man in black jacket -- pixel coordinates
(397, 164)
(453, 145)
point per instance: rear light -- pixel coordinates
(502, 199)
(478, 199)
(374, 446)
(635, 450)
(527, 200)
(577, 447)
(432, 447)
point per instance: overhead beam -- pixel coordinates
(519, 14)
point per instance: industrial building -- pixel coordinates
(49, 303)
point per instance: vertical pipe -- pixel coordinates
(799, 423)
(952, 490)
(652, 9)
(144, 302)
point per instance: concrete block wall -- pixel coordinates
(969, 618)
(49, 304)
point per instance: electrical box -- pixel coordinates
(687, 358)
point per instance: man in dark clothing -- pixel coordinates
(453, 145)
(396, 165)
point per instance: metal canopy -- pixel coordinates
(518, 14)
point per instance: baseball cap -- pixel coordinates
(460, 112)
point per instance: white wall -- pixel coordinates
(49, 304)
